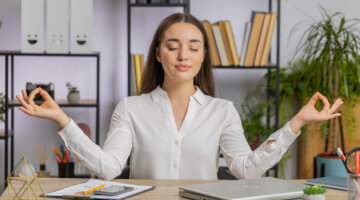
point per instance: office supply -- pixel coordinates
(32, 26)
(81, 19)
(57, 26)
(351, 162)
(69, 192)
(66, 169)
(90, 191)
(260, 188)
(335, 182)
(343, 158)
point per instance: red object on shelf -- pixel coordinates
(85, 128)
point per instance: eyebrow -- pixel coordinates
(177, 40)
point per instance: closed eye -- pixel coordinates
(172, 49)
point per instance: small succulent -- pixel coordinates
(315, 189)
(71, 88)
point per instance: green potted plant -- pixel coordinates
(315, 192)
(73, 94)
(329, 63)
(253, 113)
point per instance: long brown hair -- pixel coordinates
(153, 74)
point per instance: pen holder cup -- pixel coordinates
(66, 170)
(353, 183)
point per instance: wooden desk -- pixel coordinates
(165, 189)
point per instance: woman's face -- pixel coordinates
(181, 52)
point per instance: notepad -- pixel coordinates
(335, 182)
(69, 192)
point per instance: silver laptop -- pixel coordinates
(261, 188)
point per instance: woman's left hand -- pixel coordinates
(309, 114)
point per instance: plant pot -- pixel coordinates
(314, 197)
(73, 97)
(329, 165)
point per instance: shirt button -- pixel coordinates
(176, 142)
(175, 165)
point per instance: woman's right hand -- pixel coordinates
(49, 109)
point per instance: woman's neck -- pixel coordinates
(179, 91)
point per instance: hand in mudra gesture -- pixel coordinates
(49, 109)
(309, 114)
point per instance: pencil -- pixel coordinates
(90, 191)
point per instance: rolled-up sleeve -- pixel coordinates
(241, 160)
(108, 162)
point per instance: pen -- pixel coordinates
(357, 162)
(67, 157)
(58, 159)
(57, 153)
(343, 158)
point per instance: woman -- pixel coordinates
(176, 128)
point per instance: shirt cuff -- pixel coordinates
(286, 136)
(71, 133)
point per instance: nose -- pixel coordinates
(183, 54)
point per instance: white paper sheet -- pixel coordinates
(92, 183)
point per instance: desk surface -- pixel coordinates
(164, 189)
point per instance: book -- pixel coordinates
(245, 42)
(262, 39)
(219, 41)
(69, 192)
(214, 54)
(132, 77)
(137, 72)
(269, 36)
(232, 43)
(226, 42)
(334, 182)
(254, 37)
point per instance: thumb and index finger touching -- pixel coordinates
(331, 108)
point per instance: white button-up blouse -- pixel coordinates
(143, 127)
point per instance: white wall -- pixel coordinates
(110, 38)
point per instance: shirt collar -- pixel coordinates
(157, 94)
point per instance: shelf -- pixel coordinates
(246, 67)
(63, 103)
(158, 5)
(2, 134)
(19, 53)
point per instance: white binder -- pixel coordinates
(81, 18)
(57, 25)
(32, 26)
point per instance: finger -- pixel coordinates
(336, 105)
(314, 98)
(44, 94)
(23, 103)
(332, 116)
(325, 101)
(24, 94)
(29, 112)
(32, 96)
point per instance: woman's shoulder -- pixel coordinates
(133, 101)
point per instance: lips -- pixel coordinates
(182, 67)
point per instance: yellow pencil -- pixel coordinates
(92, 190)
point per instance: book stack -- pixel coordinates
(255, 49)
(137, 62)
